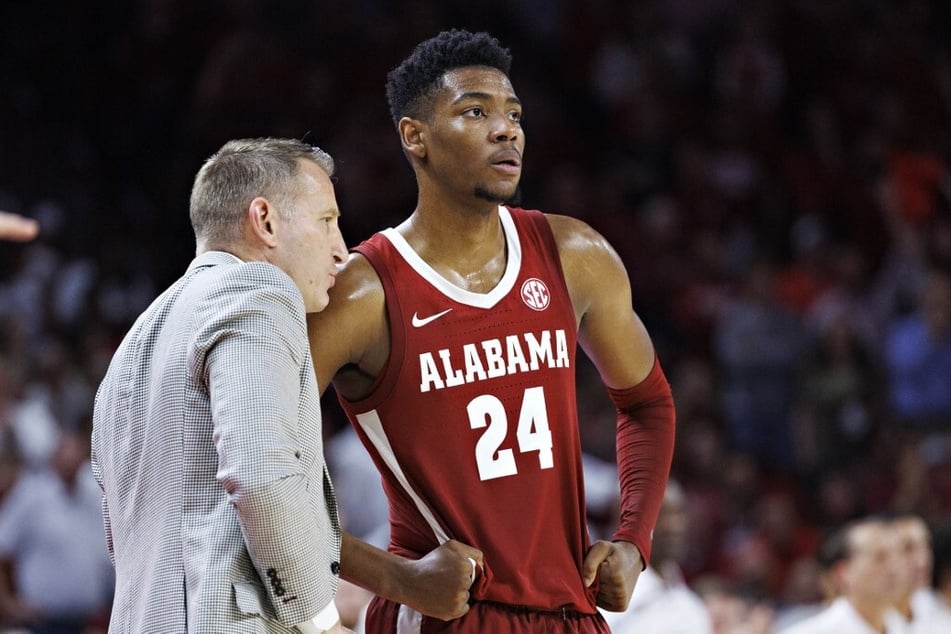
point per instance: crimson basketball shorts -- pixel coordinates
(383, 617)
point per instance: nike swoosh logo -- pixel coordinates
(419, 323)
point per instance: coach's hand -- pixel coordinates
(616, 566)
(439, 582)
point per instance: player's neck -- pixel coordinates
(471, 227)
(467, 249)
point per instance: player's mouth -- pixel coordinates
(507, 161)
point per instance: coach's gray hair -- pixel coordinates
(240, 171)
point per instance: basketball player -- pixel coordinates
(451, 344)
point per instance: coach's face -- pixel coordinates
(311, 245)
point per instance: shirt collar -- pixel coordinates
(214, 258)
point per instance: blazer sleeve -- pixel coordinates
(104, 506)
(251, 348)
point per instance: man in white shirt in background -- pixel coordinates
(918, 602)
(864, 565)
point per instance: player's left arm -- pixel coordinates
(616, 341)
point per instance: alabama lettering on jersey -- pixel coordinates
(473, 421)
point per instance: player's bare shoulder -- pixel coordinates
(357, 284)
(357, 290)
(586, 255)
(353, 328)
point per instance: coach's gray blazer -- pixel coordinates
(219, 511)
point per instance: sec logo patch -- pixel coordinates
(535, 294)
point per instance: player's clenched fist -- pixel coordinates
(441, 580)
(616, 566)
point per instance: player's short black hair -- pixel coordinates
(410, 85)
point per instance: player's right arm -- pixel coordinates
(436, 585)
(616, 341)
(350, 344)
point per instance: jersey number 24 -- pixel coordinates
(532, 433)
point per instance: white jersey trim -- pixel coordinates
(373, 427)
(478, 300)
(408, 621)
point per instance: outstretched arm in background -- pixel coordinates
(17, 228)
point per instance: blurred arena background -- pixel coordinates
(774, 174)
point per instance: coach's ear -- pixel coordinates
(262, 218)
(413, 136)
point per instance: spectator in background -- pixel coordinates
(787, 536)
(808, 589)
(52, 538)
(848, 298)
(17, 228)
(807, 277)
(837, 399)
(918, 602)
(918, 358)
(862, 560)
(731, 611)
(662, 602)
(757, 346)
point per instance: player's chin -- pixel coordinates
(501, 193)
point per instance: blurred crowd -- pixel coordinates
(775, 175)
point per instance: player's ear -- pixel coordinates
(413, 136)
(261, 219)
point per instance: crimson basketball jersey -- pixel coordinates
(473, 421)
